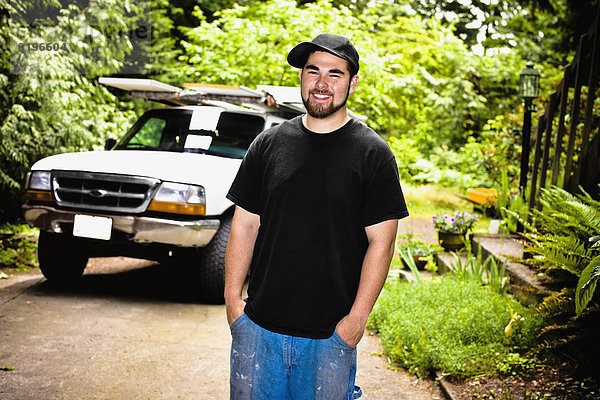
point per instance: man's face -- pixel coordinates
(325, 84)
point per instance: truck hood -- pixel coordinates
(214, 173)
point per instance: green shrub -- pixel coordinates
(406, 152)
(18, 244)
(452, 325)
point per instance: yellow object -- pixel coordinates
(210, 85)
(514, 320)
(482, 195)
(38, 195)
(177, 208)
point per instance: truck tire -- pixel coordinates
(61, 259)
(211, 279)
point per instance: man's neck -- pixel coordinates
(326, 125)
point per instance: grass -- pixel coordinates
(426, 200)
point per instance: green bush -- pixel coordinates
(50, 101)
(407, 153)
(454, 326)
(18, 244)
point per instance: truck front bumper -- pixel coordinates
(197, 233)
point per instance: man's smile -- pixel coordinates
(321, 96)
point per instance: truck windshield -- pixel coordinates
(167, 130)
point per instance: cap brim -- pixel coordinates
(299, 54)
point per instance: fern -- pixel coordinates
(556, 305)
(557, 309)
(589, 216)
(589, 200)
(567, 253)
(565, 234)
(564, 213)
(587, 285)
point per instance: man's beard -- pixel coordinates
(323, 110)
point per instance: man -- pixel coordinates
(317, 207)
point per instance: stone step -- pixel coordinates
(525, 284)
(445, 261)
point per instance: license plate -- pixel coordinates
(92, 227)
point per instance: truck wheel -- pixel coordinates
(211, 281)
(61, 259)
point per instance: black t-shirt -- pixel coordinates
(315, 194)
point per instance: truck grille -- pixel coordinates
(103, 192)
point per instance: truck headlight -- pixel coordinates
(39, 186)
(39, 180)
(178, 198)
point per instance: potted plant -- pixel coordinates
(452, 229)
(408, 246)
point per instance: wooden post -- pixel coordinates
(550, 111)
(569, 185)
(560, 132)
(582, 174)
(536, 161)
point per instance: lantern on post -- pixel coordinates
(529, 86)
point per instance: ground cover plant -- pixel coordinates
(462, 324)
(454, 325)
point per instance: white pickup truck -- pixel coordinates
(159, 192)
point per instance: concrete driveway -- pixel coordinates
(133, 331)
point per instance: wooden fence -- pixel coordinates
(576, 163)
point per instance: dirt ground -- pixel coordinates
(548, 383)
(422, 228)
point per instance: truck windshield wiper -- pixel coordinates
(211, 153)
(139, 146)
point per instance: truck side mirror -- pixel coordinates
(110, 143)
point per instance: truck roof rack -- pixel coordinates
(203, 94)
(266, 98)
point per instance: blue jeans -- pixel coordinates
(271, 366)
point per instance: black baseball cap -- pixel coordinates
(337, 45)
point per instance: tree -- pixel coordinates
(50, 101)
(416, 78)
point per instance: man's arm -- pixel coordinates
(240, 246)
(382, 237)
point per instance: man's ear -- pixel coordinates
(300, 74)
(353, 83)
